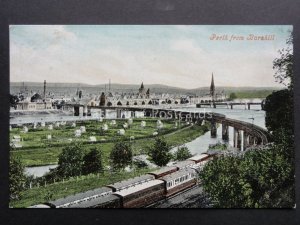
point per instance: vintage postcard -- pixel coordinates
(151, 116)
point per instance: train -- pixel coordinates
(139, 191)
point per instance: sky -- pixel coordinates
(175, 55)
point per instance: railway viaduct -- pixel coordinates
(244, 134)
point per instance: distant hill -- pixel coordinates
(154, 88)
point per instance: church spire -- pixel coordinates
(212, 86)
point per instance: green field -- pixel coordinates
(253, 94)
(37, 150)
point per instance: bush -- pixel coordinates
(160, 152)
(121, 155)
(182, 153)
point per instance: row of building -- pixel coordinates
(142, 97)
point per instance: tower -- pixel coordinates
(142, 90)
(44, 97)
(102, 99)
(212, 88)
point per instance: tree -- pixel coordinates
(254, 180)
(17, 177)
(232, 96)
(70, 161)
(160, 152)
(279, 105)
(279, 111)
(284, 65)
(182, 153)
(121, 155)
(92, 162)
(219, 179)
(13, 100)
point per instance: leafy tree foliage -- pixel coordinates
(279, 111)
(160, 152)
(70, 161)
(121, 155)
(182, 153)
(256, 179)
(13, 100)
(92, 162)
(17, 177)
(48, 196)
(232, 96)
(279, 105)
(284, 65)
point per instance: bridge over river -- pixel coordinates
(244, 134)
(231, 104)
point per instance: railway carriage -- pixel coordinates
(200, 160)
(184, 164)
(179, 181)
(131, 182)
(78, 199)
(142, 194)
(110, 201)
(164, 171)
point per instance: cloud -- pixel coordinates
(187, 46)
(57, 54)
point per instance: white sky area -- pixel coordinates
(181, 56)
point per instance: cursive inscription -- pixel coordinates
(249, 37)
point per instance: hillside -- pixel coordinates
(154, 88)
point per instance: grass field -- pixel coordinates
(37, 138)
(38, 150)
(253, 94)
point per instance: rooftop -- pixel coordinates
(184, 163)
(138, 187)
(94, 202)
(76, 197)
(199, 157)
(177, 174)
(163, 170)
(132, 181)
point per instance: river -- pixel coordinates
(200, 144)
(39, 171)
(197, 146)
